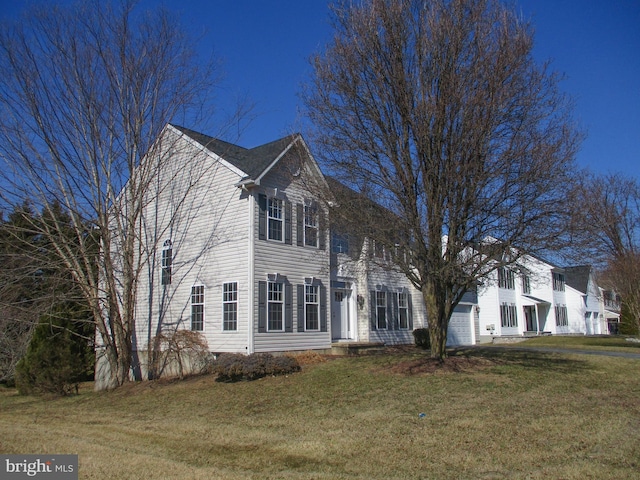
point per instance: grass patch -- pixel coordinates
(501, 414)
(611, 343)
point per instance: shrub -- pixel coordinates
(59, 355)
(232, 367)
(185, 350)
(421, 338)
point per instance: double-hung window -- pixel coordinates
(562, 319)
(167, 260)
(311, 308)
(275, 222)
(558, 281)
(526, 284)
(310, 226)
(508, 315)
(197, 308)
(403, 310)
(506, 278)
(381, 310)
(275, 307)
(230, 306)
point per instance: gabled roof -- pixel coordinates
(253, 162)
(578, 277)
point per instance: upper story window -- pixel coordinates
(339, 243)
(167, 260)
(526, 284)
(230, 306)
(506, 278)
(275, 222)
(310, 226)
(197, 307)
(558, 281)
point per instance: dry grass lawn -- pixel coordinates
(487, 415)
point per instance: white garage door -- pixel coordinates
(460, 330)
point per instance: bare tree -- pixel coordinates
(607, 228)
(437, 111)
(85, 93)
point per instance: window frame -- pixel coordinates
(403, 308)
(381, 295)
(562, 315)
(230, 306)
(197, 314)
(506, 278)
(270, 302)
(166, 262)
(526, 284)
(508, 315)
(311, 306)
(275, 214)
(558, 281)
(310, 223)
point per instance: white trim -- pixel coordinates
(252, 315)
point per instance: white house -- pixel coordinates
(241, 251)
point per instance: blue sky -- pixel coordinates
(266, 44)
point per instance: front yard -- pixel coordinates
(506, 414)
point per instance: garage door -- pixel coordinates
(460, 330)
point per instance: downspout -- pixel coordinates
(251, 274)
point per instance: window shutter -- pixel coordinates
(287, 223)
(262, 307)
(323, 308)
(288, 307)
(262, 217)
(372, 303)
(300, 289)
(299, 224)
(410, 308)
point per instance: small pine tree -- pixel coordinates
(59, 356)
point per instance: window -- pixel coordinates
(562, 319)
(197, 308)
(230, 306)
(311, 308)
(506, 278)
(339, 243)
(275, 307)
(275, 219)
(310, 226)
(508, 315)
(167, 260)
(381, 310)
(403, 310)
(558, 281)
(526, 284)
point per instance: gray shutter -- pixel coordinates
(410, 308)
(323, 308)
(300, 224)
(288, 307)
(372, 302)
(300, 289)
(262, 307)
(287, 223)
(262, 217)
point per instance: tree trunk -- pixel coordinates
(437, 320)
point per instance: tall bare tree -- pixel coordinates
(607, 228)
(437, 111)
(85, 92)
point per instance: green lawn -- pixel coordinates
(499, 414)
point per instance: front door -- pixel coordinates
(340, 318)
(530, 318)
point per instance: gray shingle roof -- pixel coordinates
(578, 277)
(252, 161)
